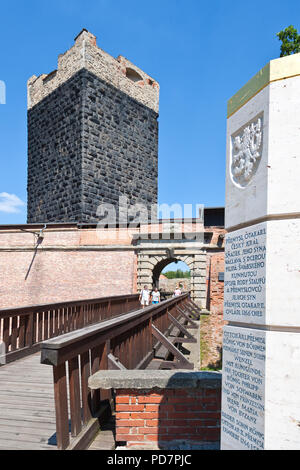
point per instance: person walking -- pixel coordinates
(144, 297)
(177, 291)
(155, 296)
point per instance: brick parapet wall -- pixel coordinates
(171, 408)
(163, 415)
(212, 325)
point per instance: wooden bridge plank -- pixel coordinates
(16, 436)
(24, 380)
(26, 414)
(21, 422)
(27, 381)
(26, 405)
(24, 445)
(26, 431)
(27, 411)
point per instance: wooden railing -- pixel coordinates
(23, 329)
(123, 342)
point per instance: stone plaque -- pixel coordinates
(243, 388)
(261, 344)
(245, 275)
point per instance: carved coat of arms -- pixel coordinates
(246, 152)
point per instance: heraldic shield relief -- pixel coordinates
(246, 151)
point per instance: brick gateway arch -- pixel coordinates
(154, 255)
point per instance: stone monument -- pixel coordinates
(261, 343)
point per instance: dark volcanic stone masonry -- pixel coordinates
(89, 143)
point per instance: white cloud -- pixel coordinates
(2, 92)
(10, 203)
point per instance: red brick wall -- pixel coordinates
(70, 264)
(56, 276)
(67, 267)
(212, 325)
(215, 288)
(167, 415)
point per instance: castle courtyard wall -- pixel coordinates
(67, 265)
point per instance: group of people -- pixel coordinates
(147, 297)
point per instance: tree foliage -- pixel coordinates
(290, 41)
(177, 274)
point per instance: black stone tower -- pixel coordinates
(92, 135)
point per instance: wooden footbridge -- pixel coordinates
(49, 352)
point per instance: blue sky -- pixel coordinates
(200, 52)
(174, 266)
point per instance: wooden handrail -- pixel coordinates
(56, 350)
(5, 312)
(79, 354)
(22, 329)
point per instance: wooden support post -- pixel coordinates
(29, 330)
(22, 332)
(61, 406)
(105, 394)
(85, 373)
(95, 366)
(185, 315)
(14, 333)
(162, 339)
(114, 363)
(75, 408)
(193, 310)
(182, 328)
(195, 306)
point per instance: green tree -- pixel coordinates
(179, 274)
(290, 41)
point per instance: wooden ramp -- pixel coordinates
(116, 330)
(27, 411)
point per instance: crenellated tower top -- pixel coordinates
(119, 72)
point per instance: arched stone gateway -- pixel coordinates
(154, 255)
(159, 267)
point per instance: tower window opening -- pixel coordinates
(133, 75)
